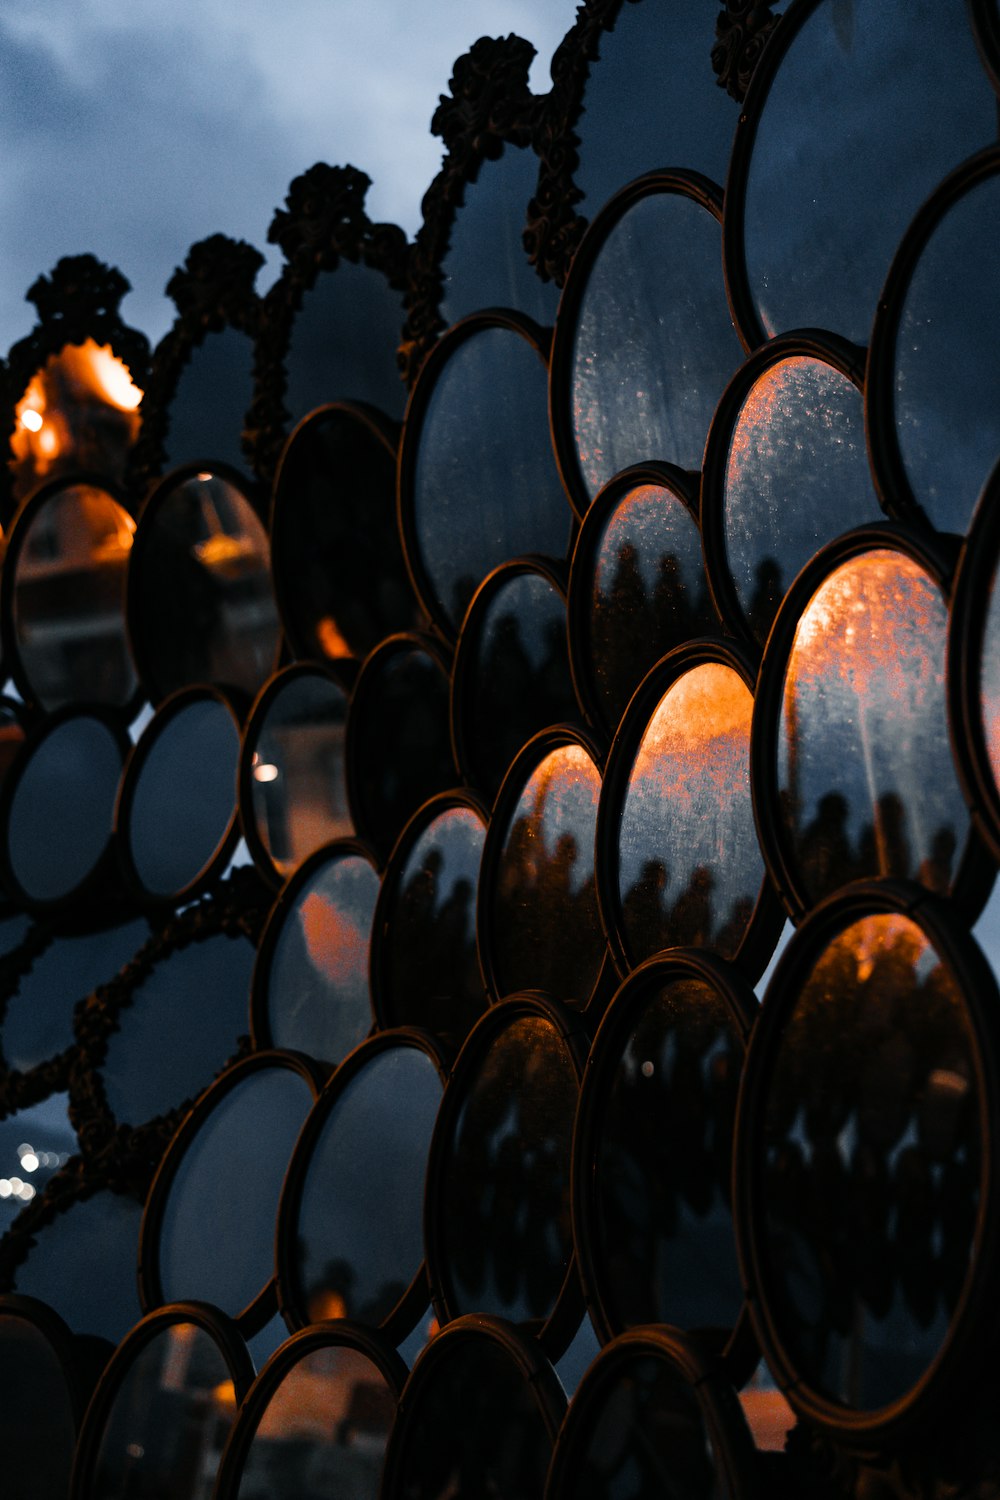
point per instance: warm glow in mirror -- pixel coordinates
(80, 411)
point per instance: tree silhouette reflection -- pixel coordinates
(872, 1163)
(634, 622)
(663, 1166)
(506, 1219)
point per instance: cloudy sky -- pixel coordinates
(132, 130)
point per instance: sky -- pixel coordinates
(133, 130)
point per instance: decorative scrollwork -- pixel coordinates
(554, 228)
(490, 106)
(741, 32)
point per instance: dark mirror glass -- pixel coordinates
(168, 1421)
(504, 1213)
(796, 477)
(546, 930)
(989, 678)
(689, 865)
(651, 101)
(11, 732)
(822, 220)
(83, 1265)
(62, 808)
(947, 365)
(38, 1421)
(405, 703)
(647, 594)
(297, 773)
(38, 1021)
(663, 1248)
(202, 609)
(869, 1167)
(359, 1232)
(475, 1428)
(865, 773)
(344, 341)
(34, 1143)
(317, 995)
(431, 975)
(655, 286)
(69, 599)
(211, 401)
(485, 486)
(79, 411)
(183, 1023)
(323, 1431)
(340, 578)
(518, 676)
(184, 797)
(486, 264)
(224, 1192)
(642, 1434)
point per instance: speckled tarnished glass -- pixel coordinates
(648, 595)
(318, 1000)
(432, 976)
(846, 151)
(690, 868)
(947, 367)
(654, 345)
(869, 1165)
(485, 486)
(546, 928)
(797, 476)
(865, 775)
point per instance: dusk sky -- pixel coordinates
(131, 131)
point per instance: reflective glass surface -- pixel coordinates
(78, 412)
(406, 704)
(486, 264)
(644, 1436)
(184, 1022)
(947, 371)
(225, 1192)
(546, 929)
(323, 1432)
(34, 1144)
(796, 477)
(343, 342)
(83, 1265)
(847, 150)
(184, 797)
(989, 678)
(211, 401)
(651, 101)
(664, 1250)
(37, 1414)
(485, 485)
(431, 974)
(11, 735)
(203, 609)
(359, 1233)
(869, 1165)
(648, 593)
(475, 1428)
(504, 1214)
(519, 681)
(62, 808)
(654, 345)
(69, 599)
(38, 1021)
(169, 1420)
(865, 772)
(690, 868)
(339, 571)
(297, 776)
(317, 988)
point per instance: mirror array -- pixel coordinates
(498, 970)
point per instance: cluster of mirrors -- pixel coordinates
(497, 960)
